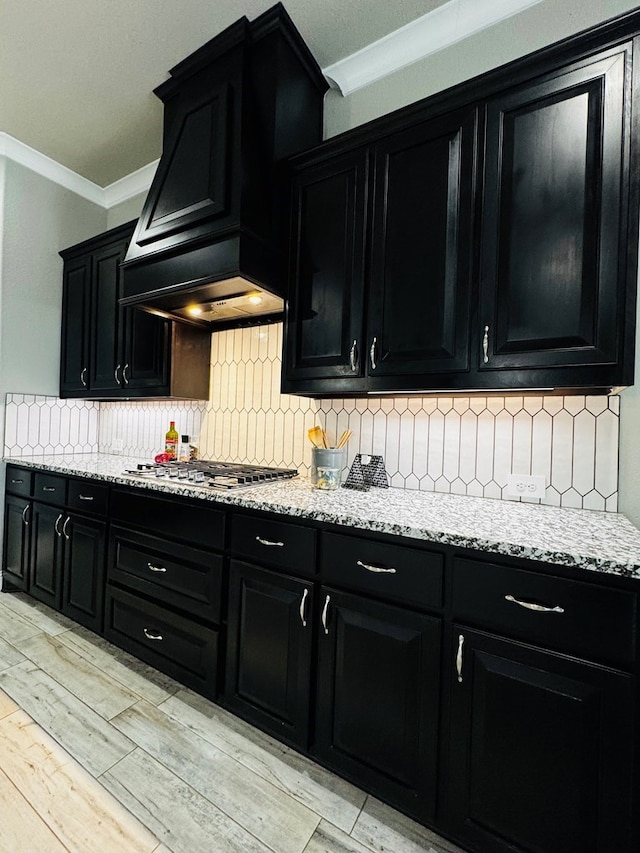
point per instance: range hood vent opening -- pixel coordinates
(213, 227)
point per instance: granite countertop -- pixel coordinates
(597, 541)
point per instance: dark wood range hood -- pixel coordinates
(210, 244)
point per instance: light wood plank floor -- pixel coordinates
(102, 753)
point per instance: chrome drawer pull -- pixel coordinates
(353, 361)
(17, 482)
(324, 614)
(268, 542)
(372, 354)
(125, 378)
(24, 515)
(303, 601)
(376, 569)
(64, 527)
(459, 657)
(156, 568)
(539, 608)
(151, 636)
(485, 345)
(48, 488)
(83, 376)
(56, 523)
(115, 375)
(85, 497)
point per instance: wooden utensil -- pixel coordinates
(344, 438)
(317, 437)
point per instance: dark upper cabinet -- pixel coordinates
(539, 750)
(554, 241)
(326, 319)
(109, 351)
(418, 309)
(380, 272)
(500, 225)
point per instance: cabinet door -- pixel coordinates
(378, 697)
(324, 336)
(541, 750)
(76, 302)
(553, 273)
(17, 529)
(45, 565)
(106, 335)
(83, 582)
(418, 318)
(269, 650)
(145, 350)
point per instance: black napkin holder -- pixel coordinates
(363, 474)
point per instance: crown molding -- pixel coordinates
(441, 28)
(122, 190)
(130, 186)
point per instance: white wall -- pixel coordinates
(126, 210)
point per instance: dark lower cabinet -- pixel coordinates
(541, 755)
(17, 537)
(83, 574)
(269, 641)
(378, 698)
(45, 564)
(173, 644)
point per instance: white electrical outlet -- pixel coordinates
(526, 486)
(117, 445)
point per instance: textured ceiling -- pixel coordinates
(76, 76)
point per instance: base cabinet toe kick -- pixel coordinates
(492, 699)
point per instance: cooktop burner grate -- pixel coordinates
(223, 476)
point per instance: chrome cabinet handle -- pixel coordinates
(83, 376)
(324, 614)
(64, 527)
(459, 657)
(353, 356)
(485, 345)
(151, 636)
(25, 521)
(86, 497)
(115, 374)
(376, 569)
(153, 568)
(303, 601)
(48, 488)
(17, 482)
(56, 523)
(124, 374)
(268, 542)
(372, 353)
(539, 608)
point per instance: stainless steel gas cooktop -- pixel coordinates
(222, 476)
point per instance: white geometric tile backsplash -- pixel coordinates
(465, 445)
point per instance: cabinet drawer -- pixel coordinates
(285, 546)
(183, 649)
(50, 488)
(389, 571)
(18, 481)
(86, 496)
(183, 577)
(580, 618)
(199, 525)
